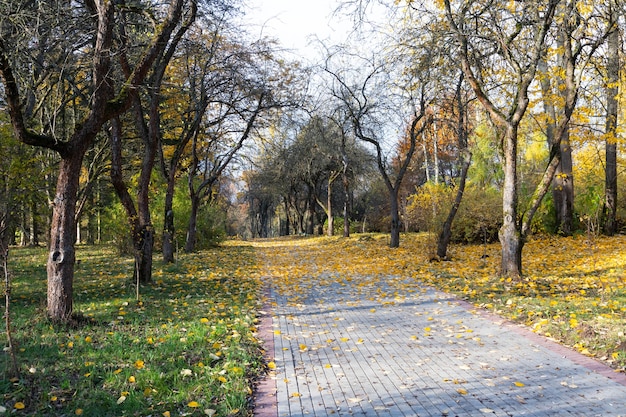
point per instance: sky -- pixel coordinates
(296, 23)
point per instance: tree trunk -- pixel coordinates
(610, 187)
(144, 244)
(62, 256)
(563, 191)
(394, 241)
(287, 219)
(190, 244)
(509, 235)
(168, 220)
(329, 204)
(310, 225)
(346, 206)
(446, 230)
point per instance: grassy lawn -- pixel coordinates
(189, 346)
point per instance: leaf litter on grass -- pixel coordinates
(572, 291)
(189, 344)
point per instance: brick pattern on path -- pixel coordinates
(340, 352)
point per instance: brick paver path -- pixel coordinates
(340, 353)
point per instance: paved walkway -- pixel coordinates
(340, 353)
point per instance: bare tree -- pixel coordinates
(364, 101)
(85, 29)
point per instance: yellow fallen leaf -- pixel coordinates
(295, 394)
(19, 405)
(79, 412)
(121, 399)
(166, 414)
(193, 404)
(344, 339)
(519, 384)
(271, 365)
(139, 364)
(204, 320)
(132, 379)
(462, 391)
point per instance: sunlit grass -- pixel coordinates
(187, 347)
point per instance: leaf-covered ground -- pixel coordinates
(190, 346)
(573, 290)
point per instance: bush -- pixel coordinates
(478, 220)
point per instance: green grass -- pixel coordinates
(186, 348)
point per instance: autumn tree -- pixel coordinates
(72, 46)
(612, 112)
(517, 34)
(372, 99)
(256, 84)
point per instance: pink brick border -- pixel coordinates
(265, 401)
(592, 364)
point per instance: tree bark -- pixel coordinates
(563, 188)
(446, 230)
(61, 254)
(510, 237)
(610, 187)
(329, 204)
(394, 241)
(190, 243)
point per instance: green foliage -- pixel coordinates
(211, 221)
(479, 217)
(116, 228)
(188, 345)
(477, 221)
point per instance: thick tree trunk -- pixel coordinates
(144, 244)
(510, 237)
(190, 244)
(610, 187)
(62, 256)
(394, 241)
(563, 191)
